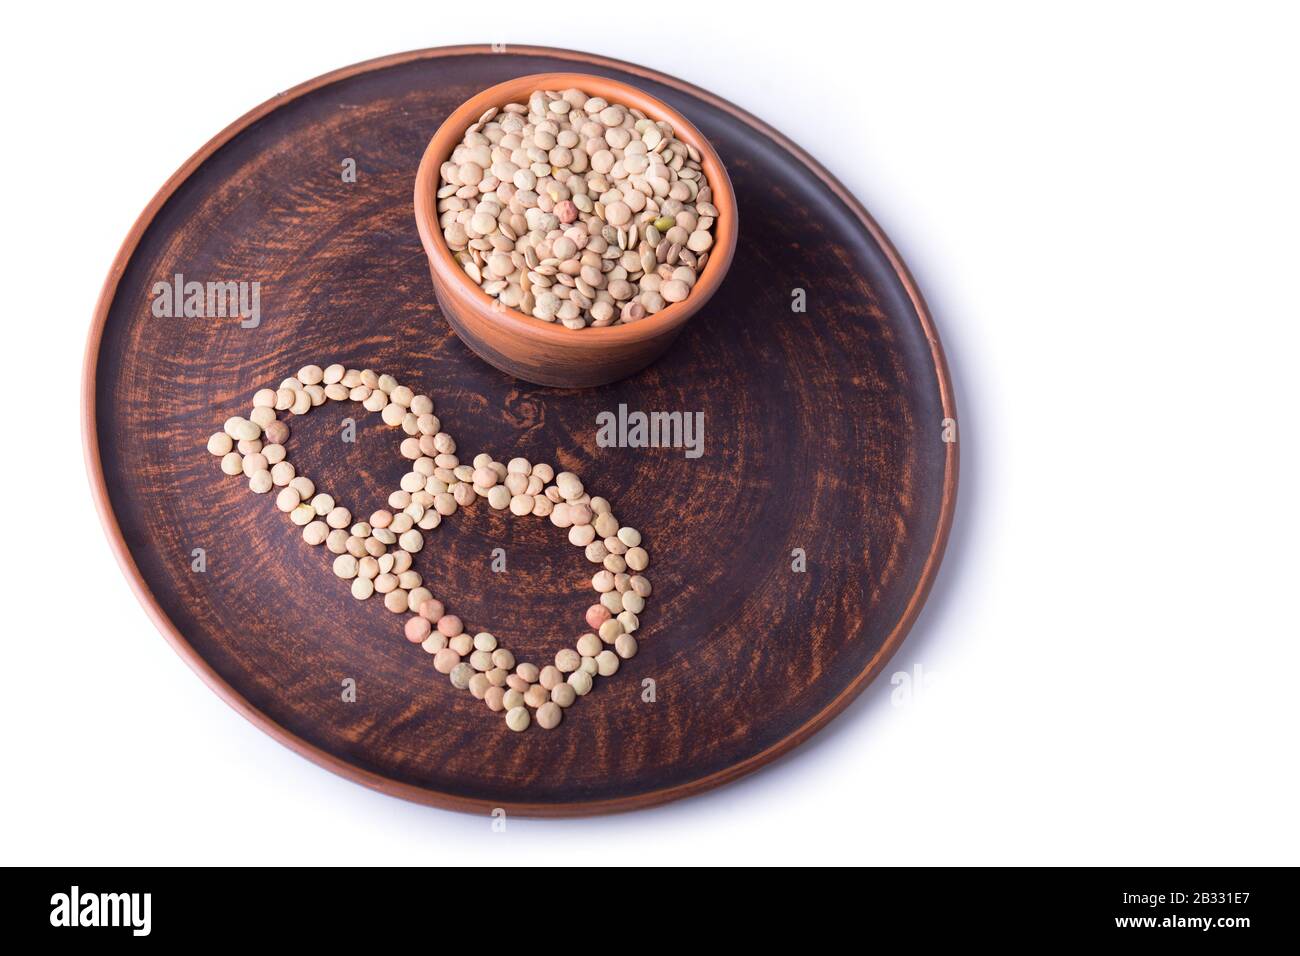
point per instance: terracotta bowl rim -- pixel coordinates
(488, 308)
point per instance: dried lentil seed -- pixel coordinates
(536, 695)
(581, 682)
(517, 717)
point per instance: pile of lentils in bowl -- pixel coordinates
(576, 210)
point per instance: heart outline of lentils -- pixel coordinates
(576, 210)
(376, 555)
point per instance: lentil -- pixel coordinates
(568, 207)
(517, 717)
(375, 556)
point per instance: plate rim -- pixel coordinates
(426, 795)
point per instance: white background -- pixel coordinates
(1102, 209)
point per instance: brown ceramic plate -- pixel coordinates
(822, 433)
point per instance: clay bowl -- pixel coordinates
(547, 353)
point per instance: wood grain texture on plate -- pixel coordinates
(822, 432)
